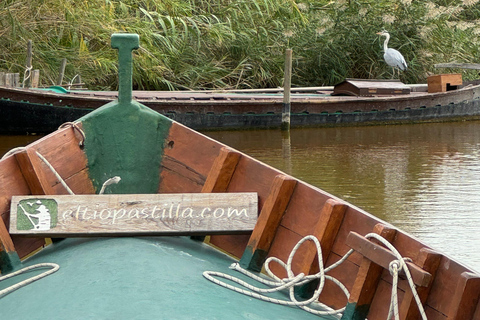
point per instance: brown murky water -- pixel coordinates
(9, 142)
(424, 179)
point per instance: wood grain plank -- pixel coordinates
(382, 256)
(192, 149)
(147, 214)
(326, 230)
(250, 176)
(61, 148)
(11, 182)
(9, 259)
(33, 170)
(429, 261)
(366, 282)
(270, 216)
(466, 297)
(6, 243)
(222, 171)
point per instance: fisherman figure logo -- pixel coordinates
(37, 214)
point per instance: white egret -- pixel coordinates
(392, 57)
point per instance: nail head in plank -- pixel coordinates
(272, 212)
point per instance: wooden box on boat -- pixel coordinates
(444, 82)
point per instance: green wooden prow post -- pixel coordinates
(125, 43)
(125, 138)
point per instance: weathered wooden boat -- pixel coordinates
(300, 229)
(357, 102)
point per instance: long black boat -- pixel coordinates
(353, 102)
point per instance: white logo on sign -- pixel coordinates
(41, 219)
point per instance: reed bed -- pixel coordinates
(200, 44)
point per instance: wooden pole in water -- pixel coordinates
(287, 83)
(61, 72)
(28, 73)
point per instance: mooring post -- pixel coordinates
(287, 150)
(287, 83)
(27, 78)
(61, 71)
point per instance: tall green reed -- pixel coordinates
(199, 44)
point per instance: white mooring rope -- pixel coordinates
(54, 267)
(26, 75)
(289, 283)
(293, 281)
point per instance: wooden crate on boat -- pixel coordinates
(444, 82)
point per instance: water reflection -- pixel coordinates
(423, 179)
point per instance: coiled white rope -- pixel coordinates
(54, 268)
(289, 283)
(293, 280)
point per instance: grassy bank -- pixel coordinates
(194, 44)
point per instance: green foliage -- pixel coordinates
(196, 44)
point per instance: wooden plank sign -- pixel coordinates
(137, 214)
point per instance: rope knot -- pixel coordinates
(394, 267)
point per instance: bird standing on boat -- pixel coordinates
(392, 57)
